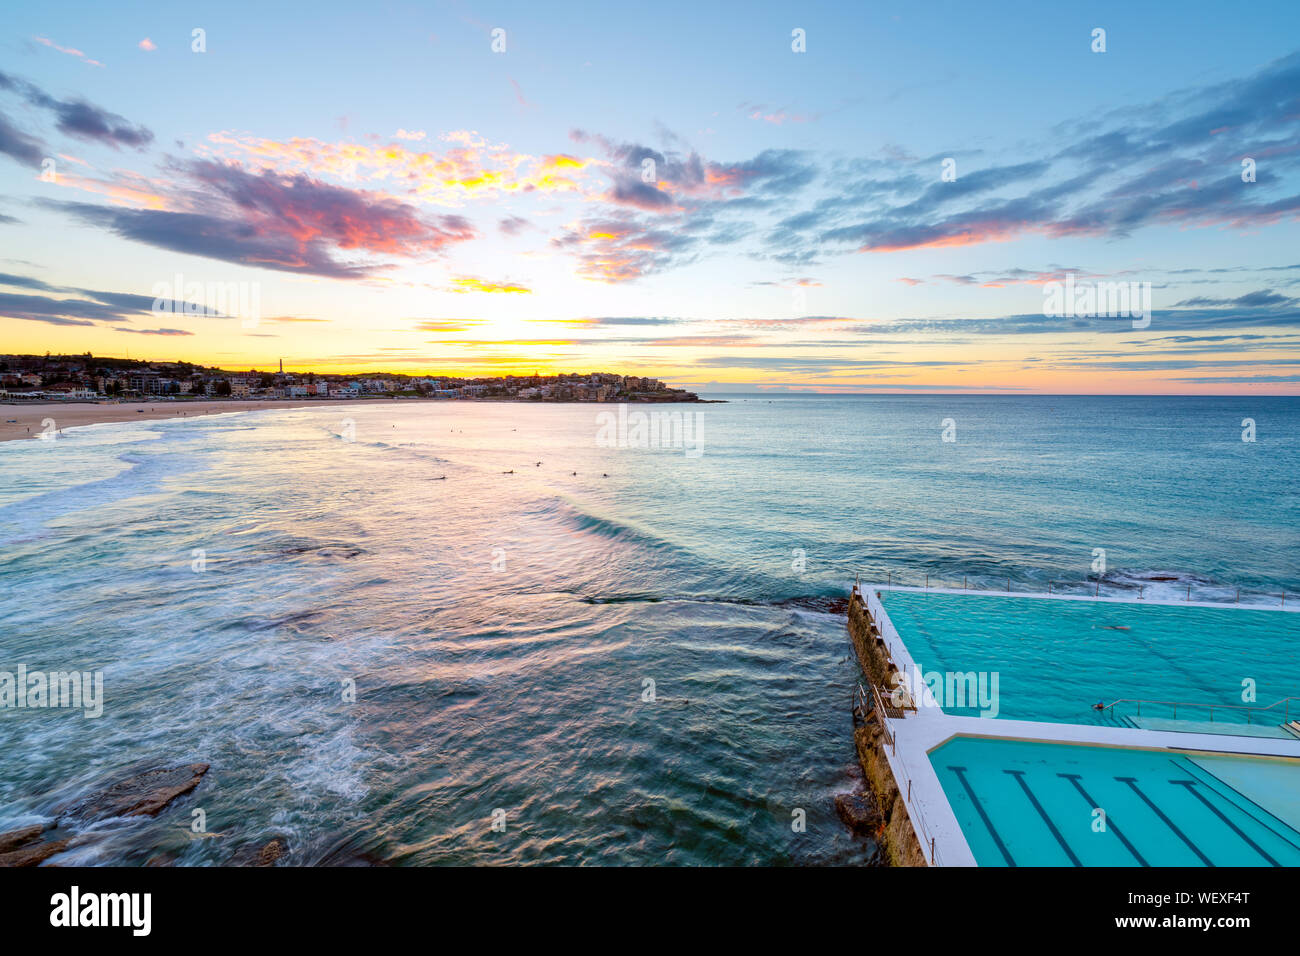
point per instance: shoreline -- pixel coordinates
(29, 417)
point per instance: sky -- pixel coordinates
(832, 197)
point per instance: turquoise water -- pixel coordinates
(1055, 659)
(1034, 804)
(501, 628)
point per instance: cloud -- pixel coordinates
(616, 320)
(1239, 379)
(447, 325)
(91, 306)
(38, 308)
(157, 331)
(147, 45)
(813, 364)
(288, 223)
(1264, 298)
(468, 168)
(519, 94)
(80, 118)
(621, 249)
(660, 181)
(70, 51)
(472, 284)
(776, 117)
(513, 225)
(1174, 162)
(19, 146)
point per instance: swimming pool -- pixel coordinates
(1054, 658)
(1022, 803)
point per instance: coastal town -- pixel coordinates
(89, 378)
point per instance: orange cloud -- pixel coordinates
(447, 325)
(468, 168)
(966, 237)
(125, 189)
(71, 51)
(472, 284)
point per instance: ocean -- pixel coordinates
(410, 634)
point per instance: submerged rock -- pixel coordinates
(272, 852)
(145, 793)
(859, 813)
(265, 855)
(27, 846)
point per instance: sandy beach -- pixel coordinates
(25, 421)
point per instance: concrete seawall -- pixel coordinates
(896, 837)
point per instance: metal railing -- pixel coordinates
(1093, 583)
(1285, 703)
(885, 715)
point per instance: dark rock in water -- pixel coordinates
(28, 847)
(272, 852)
(858, 811)
(141, 794)
(15, 838)
(252, 855)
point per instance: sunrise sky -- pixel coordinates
(665, 189)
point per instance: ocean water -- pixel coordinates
(644, 662)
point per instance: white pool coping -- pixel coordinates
(918, 734)
(1293, 607)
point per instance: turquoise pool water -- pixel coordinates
(1035, 804)
(1055, 659)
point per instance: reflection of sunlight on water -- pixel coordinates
(499, 627)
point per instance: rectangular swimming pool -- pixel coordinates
(1056, 658)
(1023, 803)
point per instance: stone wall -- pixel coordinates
(896, 837)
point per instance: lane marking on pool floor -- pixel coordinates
(1132, 783)
(961, 775)
(1020, 779)
(1092, 804)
